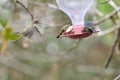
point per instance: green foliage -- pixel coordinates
(3, 20)
(105, 8)
(9, 35)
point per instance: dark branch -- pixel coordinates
(114, 45)
(25, 9)
(112, 50)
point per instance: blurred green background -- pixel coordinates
(55, 59)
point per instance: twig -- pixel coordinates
(114, 45)
(105, 2)
(105, 32)
(115, 6)
(108, 31)
(118, 77)
(112, 50)
(32, 17)
(97, 70)
(107, 17)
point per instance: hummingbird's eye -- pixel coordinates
(36, 22)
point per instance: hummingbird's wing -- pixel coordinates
(33, 34)
(37, 36)
(28, 32)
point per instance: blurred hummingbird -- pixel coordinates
(88, 27)
(32, 32)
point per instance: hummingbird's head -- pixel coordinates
(36, 22)
(89, 26)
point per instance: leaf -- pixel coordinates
(9, 35)
(15, 36)
(3, 20)
(104, 8)
(8, 32)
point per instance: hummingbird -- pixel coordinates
(32, 32)
(65, 29)
(88, 27)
